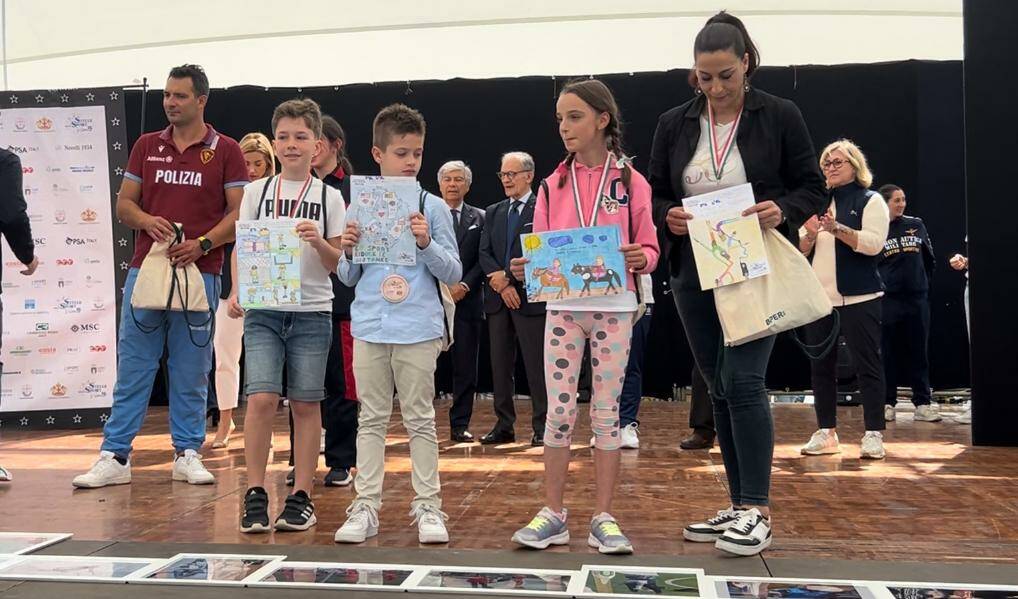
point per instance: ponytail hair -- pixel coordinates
(598, 96)
(725, 31)
(333, 132)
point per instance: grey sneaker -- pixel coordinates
(545, 529)
(606, 536)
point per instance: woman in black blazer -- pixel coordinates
(730, 134)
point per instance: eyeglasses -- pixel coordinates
(511, 174)
(833, 164)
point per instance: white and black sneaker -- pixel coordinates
(749, 535)
(709, 531)
(256, 511)
(298, 514)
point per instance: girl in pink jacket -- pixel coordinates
(593, 185)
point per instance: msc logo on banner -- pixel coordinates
(90, 327)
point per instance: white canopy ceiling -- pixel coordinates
(70, 43)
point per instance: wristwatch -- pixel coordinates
(206, 245)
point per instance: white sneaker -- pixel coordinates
(430, 523)
(361, 523)
(872, 446)
(712, 529)
(106, 471)
(630, 435)
(188, 467)
(5, 475)
(928, 413)
(321, 447)
(965, 417)
(749, 535)
(823, 442)
(890, 415)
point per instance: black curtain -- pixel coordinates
(906, 116)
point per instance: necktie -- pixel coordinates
(512, 224)
(456, 218)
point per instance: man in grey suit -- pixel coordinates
(454, 179)
(510, 315)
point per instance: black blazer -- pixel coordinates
(776, 149)
(14, 223)
(468, 237)
(492, 253)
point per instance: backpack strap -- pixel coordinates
(438, 284)
(325, 213)
(261, 201)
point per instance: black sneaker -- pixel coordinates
(299, 513)
(256, 511)
(338, 477)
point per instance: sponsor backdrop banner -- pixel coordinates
(60, 324)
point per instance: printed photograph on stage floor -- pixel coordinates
(210, 568)
(268, 263)
(27, 542)
(571, 264)
(727, 247)
(87, 568)
(321, 575)
(381, 207)
(790, 588)
(612, 581)
(497, 581)
(938, 590)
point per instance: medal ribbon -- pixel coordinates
(597, 198)
(719, 155)
(301, 195)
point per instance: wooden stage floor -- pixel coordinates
(934, 499)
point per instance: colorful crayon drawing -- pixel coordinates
(574, 264)
(382, 207)
(268, 263)
(727, 247)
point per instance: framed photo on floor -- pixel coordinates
(492, 581)
(750, 587)
(18, 543)
(606, 580)
(74, 568)
(227, 569)
(944, 590)
(325, 575)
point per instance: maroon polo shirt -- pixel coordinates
(186, 187)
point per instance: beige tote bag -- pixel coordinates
(789, 297)
(162, 286)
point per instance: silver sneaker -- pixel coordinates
(545, 529)
(606, 536)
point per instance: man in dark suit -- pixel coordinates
(510, 315)
(454, 180)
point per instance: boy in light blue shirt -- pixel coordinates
(398, 325)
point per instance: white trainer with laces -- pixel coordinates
(823, 442)
(361, 523)
(430, 523)
(106, 471)
(890, 415)
(709, 531)
(928, 413)
(5, 475)
(749, 535)
(630, 436)
(872, 447)
(188, 467)
(965, 417)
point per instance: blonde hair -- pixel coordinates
(258, 142)
(863, 176)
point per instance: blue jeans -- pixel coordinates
(742, 412)
(300, 340)
(632, 389)
(188, 366)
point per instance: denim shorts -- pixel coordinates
(300, 340)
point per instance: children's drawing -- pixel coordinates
(727, 247)
(574, 264)
(382, 207)
(268, 263)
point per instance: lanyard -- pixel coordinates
(301, 195)
(597, 197)
(719, 154)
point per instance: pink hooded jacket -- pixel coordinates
(559, 211)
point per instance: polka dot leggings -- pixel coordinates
(564, 335)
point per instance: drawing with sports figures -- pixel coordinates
(574, 263)
(268, 263)
(382, 207)
(727, 247)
